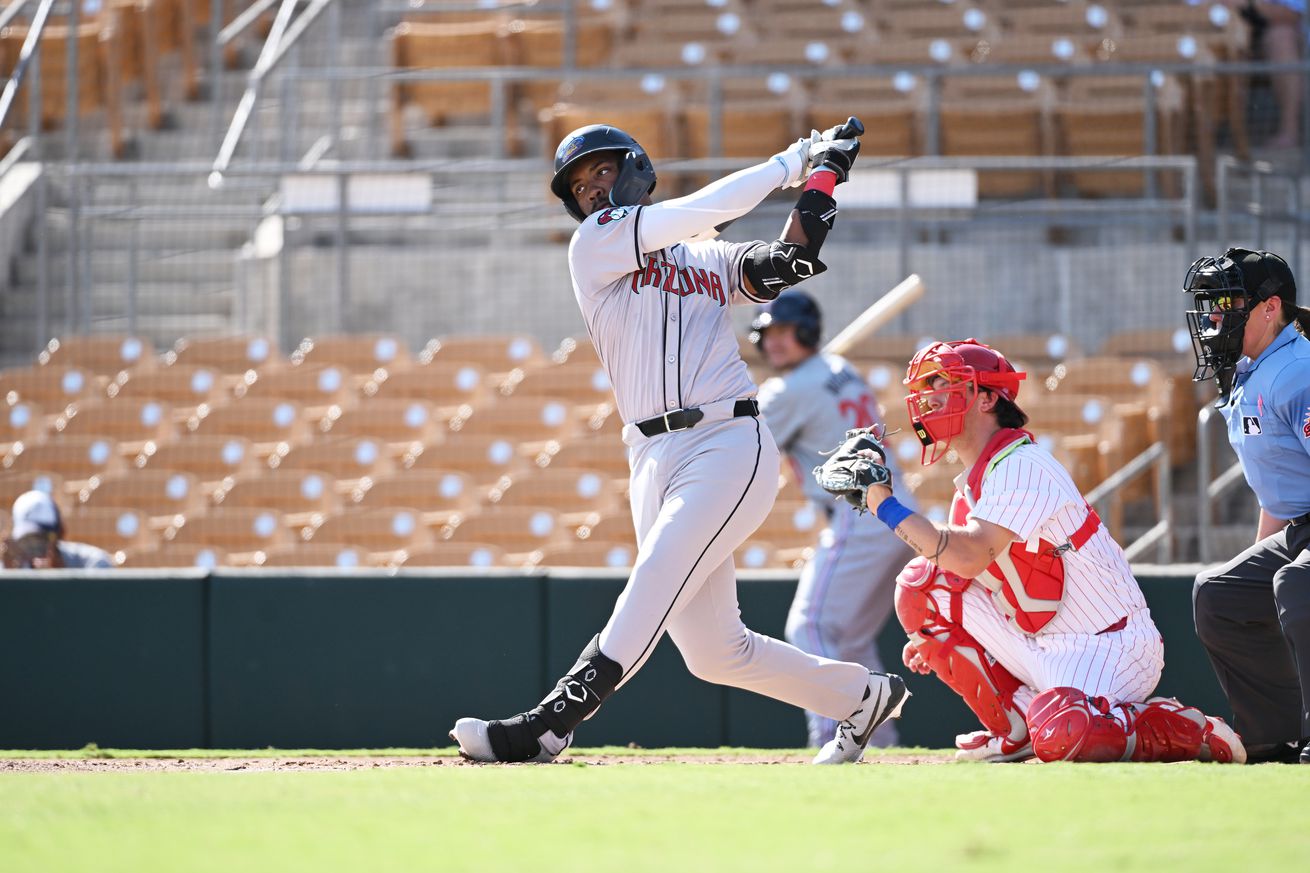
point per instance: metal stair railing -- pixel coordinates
(1160, 534)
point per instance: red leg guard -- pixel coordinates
(1067, 725)
(959, 660)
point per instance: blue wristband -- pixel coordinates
(892, 513)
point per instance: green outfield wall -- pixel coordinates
(235, 659)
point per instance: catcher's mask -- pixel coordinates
(636, 175)
(969, 366)
(1224, 292)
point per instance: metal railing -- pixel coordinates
(1209, 491)
(1160, 535)
(1288, 189)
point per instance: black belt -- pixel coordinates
(681, 419)
(1300, 519)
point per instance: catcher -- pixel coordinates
(1023, 604)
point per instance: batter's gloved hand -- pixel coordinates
(837, 147)
(854, 466)
(795, 160)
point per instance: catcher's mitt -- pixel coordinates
(847, 475)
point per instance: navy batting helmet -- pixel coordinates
(636, 176)
(790, 307)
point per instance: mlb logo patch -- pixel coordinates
(1251, 425)
(1305, 428)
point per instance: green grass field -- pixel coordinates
(641, 811)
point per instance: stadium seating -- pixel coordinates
(181, 387)
(296, 493)
(483, 458)
(211, 459)
(399, 423)
(51, 387)
(130, 422)
(233, 529)
(114, 529)
(105, 353)
(21, 423)
(13, 484)
(437, 495)
(359, 355)
(159, 494)
(518, 530)
(377, 531)
(348, 459)
(231, 354)
(266, 423)
(74, 458)
(453, 554)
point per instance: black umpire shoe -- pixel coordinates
(1305, 753)
(1276, 753)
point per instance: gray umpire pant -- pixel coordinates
(1253, 616)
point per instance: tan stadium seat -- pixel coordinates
(114, 529)
(1073, 20)
(750, 128)
(265, 422)
(398, 423)
(297, 494)
(528, 418)
(374, 530)
(451, 554)
(204, 557)
(348, 459)
(1170, 347)
(316, 554)
(493, 353)
(883, 107)
(998, 116)
(573, 383)
(1067, 414)
(1106, 116)
(160, 494)
(211, 459)
(416, 45)
(616, 529)
(518, 530)
(931, 485)
(571, 492)
(756, 554)
(130, 422)
(1081, 456)
(74, 458)
(576, 351)
(1120, 378)
(311, 386)
(358, 354)
(935, 20)
(140, 24)
(648, 118)
(231, 355)
(483, 458)
(539, 42)
(600, 452)
(13, 484)
(436, 494)
(584, 553)
(51, 387)
(1038, 352)
(1026, 48)
(182, 387)
(441, 383)
(244, 529)
(105, 355)
(791, 524)
(21, 422)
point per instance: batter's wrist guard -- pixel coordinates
(817, 211)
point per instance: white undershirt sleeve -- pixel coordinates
(671, 221)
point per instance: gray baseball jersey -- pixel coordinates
(846, 589)
(659, 321)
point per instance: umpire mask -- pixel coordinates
(1217, 320)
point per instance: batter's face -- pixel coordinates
(591, 179)
(781, 348)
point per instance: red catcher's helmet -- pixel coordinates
(938, 413)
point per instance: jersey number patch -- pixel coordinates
(858, 413)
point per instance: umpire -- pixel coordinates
(1253, 613)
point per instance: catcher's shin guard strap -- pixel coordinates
(583, 689)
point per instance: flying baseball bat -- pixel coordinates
(883, 310)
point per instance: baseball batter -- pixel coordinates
(845, 592)
(1023, 604)
(654, 292)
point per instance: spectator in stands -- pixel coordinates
(1277, 36)
(36, 540)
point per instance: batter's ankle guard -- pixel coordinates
(580, 692)
(574, 699)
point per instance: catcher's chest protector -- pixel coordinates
(1026, 580)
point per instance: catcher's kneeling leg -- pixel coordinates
(573, 700)
(1067, 725)
(958, 659)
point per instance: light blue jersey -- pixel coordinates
(1269, 424)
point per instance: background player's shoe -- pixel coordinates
(470, 734)
(992, 748)
(1221, 743)
(883, 699)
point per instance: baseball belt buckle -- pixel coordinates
(668, 423)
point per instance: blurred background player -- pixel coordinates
(36, 539)
(1253, 613)
(845, 591)
(1023, 603)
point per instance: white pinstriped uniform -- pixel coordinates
(659, 321)
(1030, 493)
